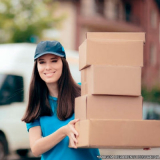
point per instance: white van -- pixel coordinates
(16, 64)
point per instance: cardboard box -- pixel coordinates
(97, 49)
(109, 107)
(111, 80)
(118, 133)
(121, 36)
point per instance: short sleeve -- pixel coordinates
(32, 124)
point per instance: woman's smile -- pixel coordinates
(49, 74)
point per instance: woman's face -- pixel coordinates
(50, 68)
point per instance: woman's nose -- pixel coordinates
(48, 65)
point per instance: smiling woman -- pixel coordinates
(50, 69)
(49, 115)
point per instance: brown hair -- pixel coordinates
(38, 104)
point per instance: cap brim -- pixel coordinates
(39, 55)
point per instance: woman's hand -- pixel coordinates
(71, 132)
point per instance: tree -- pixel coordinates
(24, 20)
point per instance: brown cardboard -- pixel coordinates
(126, 36)
(111, 80)
(118, 133)
(99, 52)
(108, 107)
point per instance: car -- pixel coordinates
(151, 111)
(16, 64)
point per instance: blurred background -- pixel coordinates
(25, 23)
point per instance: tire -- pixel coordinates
(3, 147)
(22, 152)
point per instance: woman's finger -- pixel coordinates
(74, 121)
(74, 131)
(72, 143)
(75, 140)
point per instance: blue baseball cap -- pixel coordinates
(52, 47)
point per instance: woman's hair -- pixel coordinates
(38, 104)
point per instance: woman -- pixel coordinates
(49, 115)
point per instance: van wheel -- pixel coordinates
(22, 152)
(3, 147)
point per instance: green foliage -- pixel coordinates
(152, 95)
(20, 20)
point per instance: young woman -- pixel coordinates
(49, 115)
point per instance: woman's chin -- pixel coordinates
(50, 81)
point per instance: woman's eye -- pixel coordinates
(44, 62)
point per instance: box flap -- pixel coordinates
(113, 80)
(114, 107)
(82, 128)
(80, 107)
(129, 36)
(82, 54)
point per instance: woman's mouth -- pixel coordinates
(49, 74)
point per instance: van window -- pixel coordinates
(11, 89)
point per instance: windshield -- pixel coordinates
(11, 89)
(2, 78)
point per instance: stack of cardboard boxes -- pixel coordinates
(110, 106)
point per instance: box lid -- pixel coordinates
(122, 36)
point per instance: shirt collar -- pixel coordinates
(53, 98)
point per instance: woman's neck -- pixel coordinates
(53, 89)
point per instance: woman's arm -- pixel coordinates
(40, 144)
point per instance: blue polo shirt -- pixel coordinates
(50, 124)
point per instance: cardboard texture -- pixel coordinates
(118, 133)
(126, 36)
(118, 51)
(108, 107)
(111, 80)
